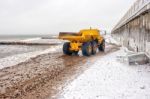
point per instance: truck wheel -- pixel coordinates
(102, 46)
(66, 47)
(94, 47)
(86, 49)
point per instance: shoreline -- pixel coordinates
(19, 51)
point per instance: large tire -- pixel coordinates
(94, 47)
(86, 49)
(66, 48)
(102, 46)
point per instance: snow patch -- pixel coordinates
(148, 48)
(111, 40)
(132, 58)
(109, 79)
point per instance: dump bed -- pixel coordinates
(71, 36)
(82, 36)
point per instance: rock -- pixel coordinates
(138, 59)
(143, 87)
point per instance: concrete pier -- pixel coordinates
(133, 30)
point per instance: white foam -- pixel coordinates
(30, 39)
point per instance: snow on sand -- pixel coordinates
(15, 59)
(110, 79)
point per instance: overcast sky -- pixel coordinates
(54, 16)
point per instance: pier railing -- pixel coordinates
(138, 7)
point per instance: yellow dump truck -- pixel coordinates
(87, 40)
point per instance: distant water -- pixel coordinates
(21, 37)
(9, 50)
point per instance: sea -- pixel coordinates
(9, 50)
(22, 37)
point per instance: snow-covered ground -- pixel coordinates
(109, 78)
(9, 50)
(18, 58)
